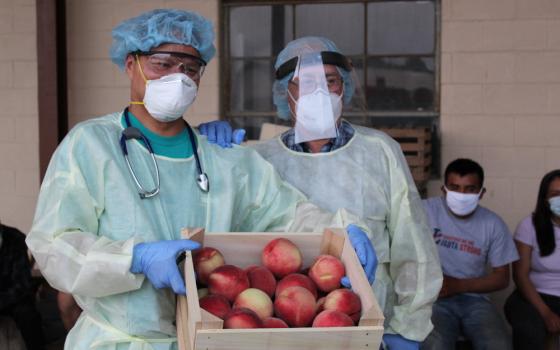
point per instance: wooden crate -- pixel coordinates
(416, 145)
(198, 329)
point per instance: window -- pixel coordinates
(392, 44)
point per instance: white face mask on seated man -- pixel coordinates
(462, 204)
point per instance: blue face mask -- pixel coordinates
(555, 205)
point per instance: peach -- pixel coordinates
(297, 279)
(261, 278)
(228, 280)
(296, 306)
(282, 257)
(326, 272)
(215, 304)
(242, 318)
(256, 300)
(332, 318)
(343, 300)
(205, 261)
(274, 322)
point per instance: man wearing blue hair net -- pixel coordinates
(120, 188)
(340, 165)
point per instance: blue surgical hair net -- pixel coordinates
(305, 45)
(162, 26)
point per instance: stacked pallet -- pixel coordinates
(417, 148)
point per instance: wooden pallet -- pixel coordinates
(198, 329)
(416, 144)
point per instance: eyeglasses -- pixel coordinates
(310, 84)
(167, 62)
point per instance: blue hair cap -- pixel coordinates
(162, 26)
(296, 48)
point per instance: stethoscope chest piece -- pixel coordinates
(202, 181)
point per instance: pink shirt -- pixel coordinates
(545, 271)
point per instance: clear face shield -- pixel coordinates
(317, 92)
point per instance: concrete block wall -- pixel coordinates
(96, 86)
(19, 146)
(500, 93)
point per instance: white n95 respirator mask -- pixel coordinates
(316, 116)
(169, 97)
(462, 204)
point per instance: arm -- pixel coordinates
(64, 235)
(414, 265)
(496, 280)
(521, 269)
(69, 309)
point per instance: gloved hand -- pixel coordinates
(365, 252)
(398, 342)
(219, 132)
(157, 261)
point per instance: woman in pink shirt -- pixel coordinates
(533, 309)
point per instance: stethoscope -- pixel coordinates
(131, 132)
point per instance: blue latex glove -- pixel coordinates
(157, 260)
(220, 133)
(398, 342)
(365, 252)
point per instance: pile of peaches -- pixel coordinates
(278, 294)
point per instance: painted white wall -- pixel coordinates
(500, 93)
(19, 146)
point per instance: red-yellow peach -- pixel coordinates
(296, 306)
(228, 280)
(242, 318)
(256, 300)
(297, 279)
(205, 261)
(343, 300)
(274, 322)
(332, 318)
(215, 304)
(261, 278)
(282, 257)
(326, 272)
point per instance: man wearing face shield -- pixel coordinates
(340, 165)
(469, 237)
(120, 188)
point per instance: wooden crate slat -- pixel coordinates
(417, 161)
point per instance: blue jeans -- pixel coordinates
(471, 316)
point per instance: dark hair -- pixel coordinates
(464, 166)
(542, 217)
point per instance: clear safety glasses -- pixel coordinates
(308, 84)
(168, 62)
